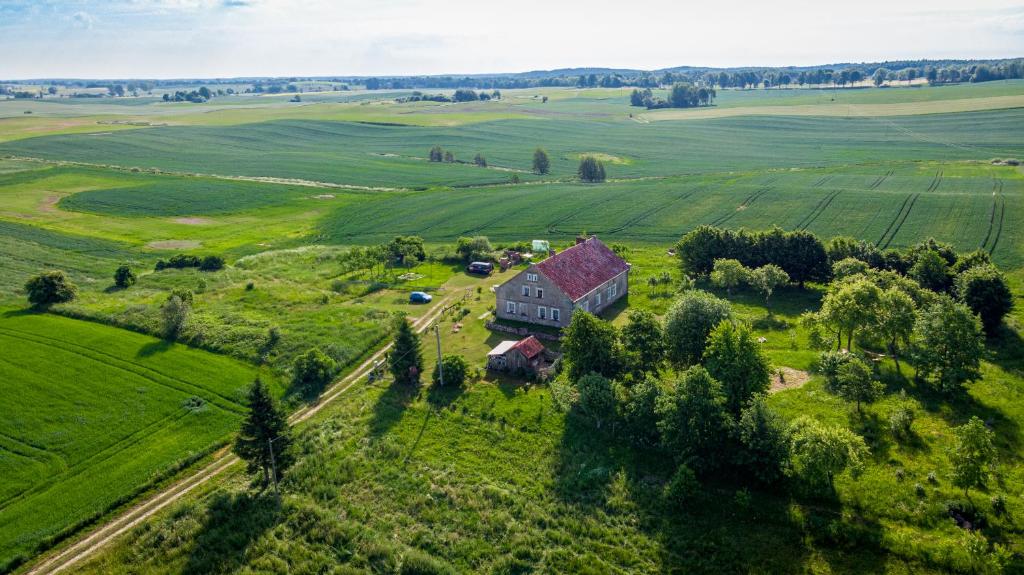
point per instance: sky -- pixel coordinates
(232, 38)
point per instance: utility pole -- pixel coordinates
(273, 468)
(440, 366)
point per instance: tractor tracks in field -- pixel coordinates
(818, 209)
(746, 203)
(995, 222)
(898, 221)
(878, 181)
(223, 460)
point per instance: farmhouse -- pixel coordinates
(587, 276)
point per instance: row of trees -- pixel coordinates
(207, 263)
(195, 96)
(799, 253)
(682, 95)
(439, 154)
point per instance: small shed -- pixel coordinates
(528, 355)
(541, 246)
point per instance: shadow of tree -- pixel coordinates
(233, 523)
(390, 407)
(154, 347)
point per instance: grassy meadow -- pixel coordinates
(495, 477)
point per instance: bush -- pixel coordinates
(313, 370)
(900, 421)
(455, 368)
(49, 288)
(473, 249)
(124, 277)
(683, 488)
(211, 264)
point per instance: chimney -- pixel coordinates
(580, 240)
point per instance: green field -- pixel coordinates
(94, 415)
(496, 478)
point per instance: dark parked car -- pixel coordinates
(482, 268)
(419, 297)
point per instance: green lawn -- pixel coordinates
(94, 415)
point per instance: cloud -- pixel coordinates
(83, 19)
(236, 3)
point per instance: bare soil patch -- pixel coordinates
(791, 379)
(192, 221)
(174, 244)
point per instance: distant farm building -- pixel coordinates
(528, 356)
(587, 276)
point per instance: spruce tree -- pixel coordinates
(266, 422)
(406, 358)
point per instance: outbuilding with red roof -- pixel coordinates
(588, 276)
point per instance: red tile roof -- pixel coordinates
(529, 347)
(580, 269)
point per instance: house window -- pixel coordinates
(510, 307)
(540, 292)
(526, 291)
(585, 305)
(522, 309)
(598, 298)
(612, 290)
(542, 312)
(531, 277)
(556, 314)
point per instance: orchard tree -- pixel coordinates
(735, 359)
(727, 274)
(949, 344)
(894, 321)
(848, 267)
(589, 346)
(765, 279)
(688, 323)
(931, 271)
(264, 428)
(973, 455)
(541, 162)
(406, 358)
(638, 408)
(820, 452)
(643, 342)
(455, 369)
(855, 382)
(984, 290)
(49, 288)
(850, 306)
(693, 420)
(124, 277)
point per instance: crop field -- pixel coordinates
(94, 415)
(282, 190)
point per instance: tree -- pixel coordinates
(595, 399)
(49, 288)
(894, 321)
(984, 290)
(644, 342)
(973, 454)
(949, 344)
(764, 439)
(449, 157)
(591, 170)
(175, 312)
(688, 323)
(124, 277)
(848, 267)
(931, 271)
(589, 347)
(638, 407)
(880, 76)
(406, 358)
(819, 452)
(849, 306)
(455, 368)
(479, 160)
(265, 423)
(473, 249)
(728, 273)
(803, 257)
(698, 250)
(403, 249)
(693, 420)
(541, 162)
(855, 382)
(436, 154)
(765, 279)
(313, 370)
(735, 359)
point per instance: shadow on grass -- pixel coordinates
(441, 397)
(1007, 350)
(154, 347)
(390, 406)
(233, 523)
(958, 407)
(24, 311)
